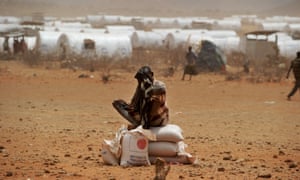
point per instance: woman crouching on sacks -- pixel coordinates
(148, 104)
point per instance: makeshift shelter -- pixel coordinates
(210, 58)
(260, 47)
(195, 40)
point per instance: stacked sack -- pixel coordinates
(128, 148)
(139, 146)
(169, 145)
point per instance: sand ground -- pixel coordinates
(52, 125)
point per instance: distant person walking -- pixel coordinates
(190, 67)
(295, 66)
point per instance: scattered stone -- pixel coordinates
(264, 175)
(221, 169)
(292, 165)
(281, 153)
(9, 174)
(46, 171)
(62, 171)
(288, 160)
(181, 177)
(240, 160)
(67, 155)
(2, 149)
(87, 158)
(241, 172)
(227, 157)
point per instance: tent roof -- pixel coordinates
(261, 32)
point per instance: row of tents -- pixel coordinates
(235, 22)
(119, 41)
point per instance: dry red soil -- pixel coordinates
(53, 123)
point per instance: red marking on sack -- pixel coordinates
(141, 143)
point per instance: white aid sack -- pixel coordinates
(169, 132)
(134, 149)
(108, 157)
(111, 149)
(181, 156)
(163, 148)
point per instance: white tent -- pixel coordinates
(178, 39)
(75, 25)
(9, 27)
(31, 42)
(111, 19)
(94, 19)
(228, 44)
(289, 48)
(73, 29)
(166, 22)
(105, 45)
(228, 24)
(184, 22)
(126, 19)
(274, 26)
(119, 29)
(149, 20)
(9, 20)
(147, 40)
(228, 41)
(294, 27)
(280, 36)
(287, 19)
(47, 42)
(221, 33)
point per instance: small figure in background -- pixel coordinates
(190, 67)
(295, 66)
(23, 45)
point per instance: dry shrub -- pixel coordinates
(269, 69)
(32, 58)
(166, 63)
(159, 60)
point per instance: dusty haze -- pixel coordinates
(211, 8)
